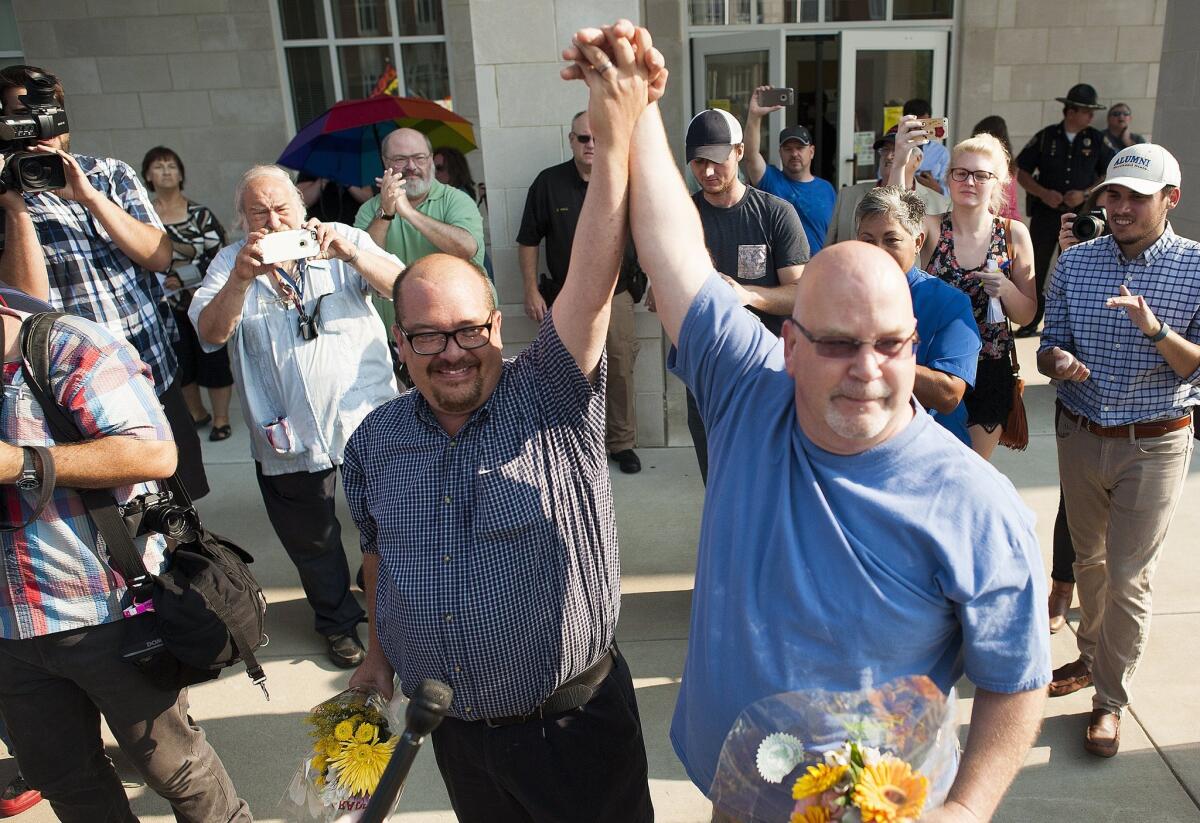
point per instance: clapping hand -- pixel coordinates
(392, 196)
(1139, 311)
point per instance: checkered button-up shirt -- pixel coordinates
(91, 277)
(498, 566)
(52, 578)
(1130, 381)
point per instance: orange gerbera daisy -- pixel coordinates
(813, 814)
(890, 791)
(816, 779)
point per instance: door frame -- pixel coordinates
(771, 41)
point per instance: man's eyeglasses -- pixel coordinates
(843, 348)
(1121, 113)
(583, 139)
(980, 176)
(403, 160)
(435, 342)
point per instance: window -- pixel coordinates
(347, 49)
(10, 43)
(740, 12)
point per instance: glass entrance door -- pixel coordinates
(880, 70)
(727, 68)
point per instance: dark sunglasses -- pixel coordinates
(843, 348)
(582, 138)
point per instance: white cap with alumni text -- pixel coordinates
(1145, 168)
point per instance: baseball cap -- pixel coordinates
(1145, 168)
(711, 135)
(795, 133)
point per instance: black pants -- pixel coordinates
(584, 765)
(1062, 568)
(187, 442)
(699, 435)
(300, 506)
(1043, 234)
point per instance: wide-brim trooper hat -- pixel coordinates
(1145, 168)
(1081, 96)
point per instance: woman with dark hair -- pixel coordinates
(995, 126)
(196, 237)
(451, 169)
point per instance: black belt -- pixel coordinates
(576, 692)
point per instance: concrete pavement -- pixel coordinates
(1156, 775)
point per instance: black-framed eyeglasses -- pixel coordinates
(843, 348)
(582, 138)
(435, 342)
(980, 176)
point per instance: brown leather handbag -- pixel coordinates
(1015, 433)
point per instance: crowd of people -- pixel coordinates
(839, 337)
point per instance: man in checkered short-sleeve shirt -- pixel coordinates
(486, 514)
(1122, 337)
(102, 242)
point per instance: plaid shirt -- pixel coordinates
(498, 566)
(1130, 380)
(91, 277)
(52, 578)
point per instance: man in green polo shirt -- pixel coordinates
(414, 215)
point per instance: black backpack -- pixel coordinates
(206, 611)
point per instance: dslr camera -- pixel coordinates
(25, 170)
(1090, 225)
(159, 513)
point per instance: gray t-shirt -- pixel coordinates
(752, 240)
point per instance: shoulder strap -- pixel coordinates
(46, 490)
(35, 363)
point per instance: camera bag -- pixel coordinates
(208, 610)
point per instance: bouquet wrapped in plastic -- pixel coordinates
(879, 755)
(353, 736)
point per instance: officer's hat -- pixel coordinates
(1081, 96)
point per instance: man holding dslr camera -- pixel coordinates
(102, 243)
(61, 603)
(1123, 339)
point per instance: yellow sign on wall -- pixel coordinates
(891, 116)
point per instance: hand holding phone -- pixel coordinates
(935, 127)
(295, 244)
(776, 97)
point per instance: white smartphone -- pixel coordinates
(295, 244)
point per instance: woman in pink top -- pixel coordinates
(995, 126)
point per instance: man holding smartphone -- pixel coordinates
(812, 197)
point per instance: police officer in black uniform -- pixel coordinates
(1057, 167)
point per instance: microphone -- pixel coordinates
(426, 709)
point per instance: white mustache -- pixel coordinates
(869, 391)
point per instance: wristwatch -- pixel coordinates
(380, 214)
(31, 478)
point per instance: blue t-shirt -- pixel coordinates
(818, 570)
(949, 338)
(936, 160)
(813, 201)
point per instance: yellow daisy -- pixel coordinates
(344, 731)
(816, 779)
(366, 733)
(813, 814)
(890, 791)
(360, 765)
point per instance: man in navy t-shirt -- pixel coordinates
(948, 351)
(812, 197)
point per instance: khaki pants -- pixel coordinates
(1120, 496)
(622, 346)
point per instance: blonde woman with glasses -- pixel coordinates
(986, 256)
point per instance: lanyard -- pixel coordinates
(294, 289)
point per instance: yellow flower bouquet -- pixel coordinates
(352, 742)
(880, 755)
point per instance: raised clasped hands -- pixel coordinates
(1140, 313)
(624, 74)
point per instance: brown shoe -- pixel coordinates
(1060, 601)
(1104, 733)
(1070, 678)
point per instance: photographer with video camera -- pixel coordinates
(62, 603)
(99, 236)
(1123, 341)
(310, 360)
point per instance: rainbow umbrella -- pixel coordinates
(343, 143)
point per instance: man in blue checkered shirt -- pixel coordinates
(483, 501)
(103, 242)
(1122, 338)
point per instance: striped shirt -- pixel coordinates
(52, 579)
(498, 566)
(91, 277)
(1130, 381)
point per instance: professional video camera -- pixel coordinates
(25, 170)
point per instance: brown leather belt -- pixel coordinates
(572, 694)
(1156, 428)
